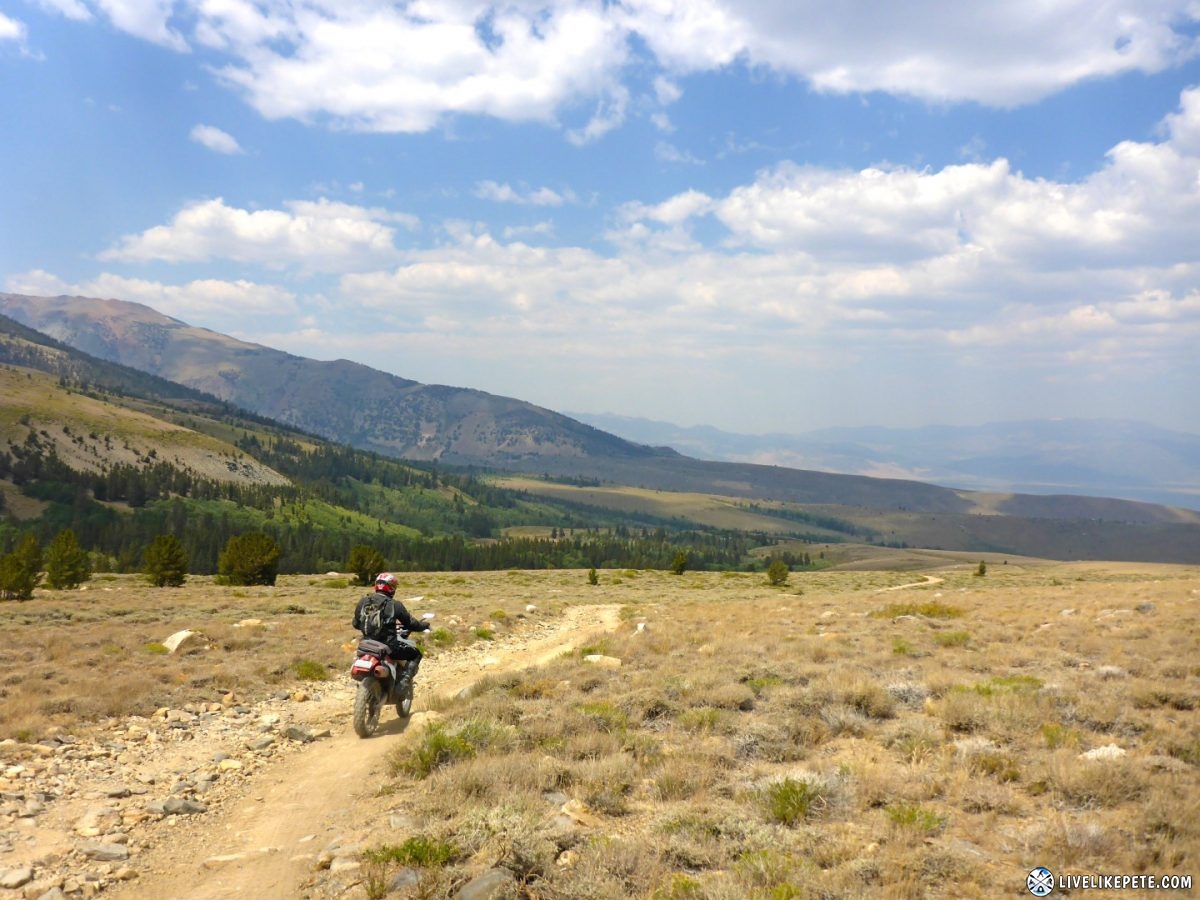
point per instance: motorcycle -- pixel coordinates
(379, 683)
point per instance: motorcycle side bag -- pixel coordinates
(376, 648)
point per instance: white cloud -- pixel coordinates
(11, 29)
(997, 53)
(205, 298)
(668, 152)
(215, 139)
(506, 193)
(406, 67)
(609, 114)
(71, 9)
(395, 69)
(970, 265)
(146, 19)
(321, 236)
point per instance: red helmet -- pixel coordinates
(385, 583)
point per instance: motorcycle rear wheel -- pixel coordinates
(368, 703)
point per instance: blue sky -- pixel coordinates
(762, 216)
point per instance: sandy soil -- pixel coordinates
(265, 842)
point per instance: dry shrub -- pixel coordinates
(490, 778)
(1073, 841)
(607, 867)
(605, 784)
(774, 741)
(868, 698)
(916, 741)
(963, 711)
(1170, 822)
(843, 720)
(1095, 784)
(683, 777)
(708, 836)
(508, 835)
(734, 696)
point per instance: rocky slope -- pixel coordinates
(221, 798)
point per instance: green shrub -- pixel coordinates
(418, 850)
(916, 817)
(440, 747)
(310, 670)
(931, 609)
(792, 800)
(951, 638)
(1007, 684)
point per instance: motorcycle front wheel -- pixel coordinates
(368, 703)
(404, 704)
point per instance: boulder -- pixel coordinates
(185, 642)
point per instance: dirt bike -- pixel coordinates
(379, 683)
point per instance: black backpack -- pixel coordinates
(376, 617)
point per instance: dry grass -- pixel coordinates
(753, 743)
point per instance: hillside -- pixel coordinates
(357, 405)
(339, 400)
(589, 479)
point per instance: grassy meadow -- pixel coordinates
(847, 734)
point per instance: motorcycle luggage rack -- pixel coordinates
(373, 647)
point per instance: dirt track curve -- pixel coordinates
(265, 842)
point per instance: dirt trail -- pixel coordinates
(265, 842)
(929, 579)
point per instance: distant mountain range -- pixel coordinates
(366, 408)
(1098, 458)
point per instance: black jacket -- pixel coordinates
(395, 611)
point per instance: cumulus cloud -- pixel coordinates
(146, 19)
(962, 262)
(1002, 54)
(11, 29)
(315, 236)
(406, 67)
(215, 139)
(973, 257)
(208, 297)
(403, 68)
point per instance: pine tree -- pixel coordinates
(67, 564)
(251, 558)
(365, 562)
(165, 561)
(777, 572)
(681, 562)
(21, 570)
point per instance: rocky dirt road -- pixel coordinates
(225, 800)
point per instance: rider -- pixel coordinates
(398, 618)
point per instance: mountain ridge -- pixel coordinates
(398, 417)
(1092, 457)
